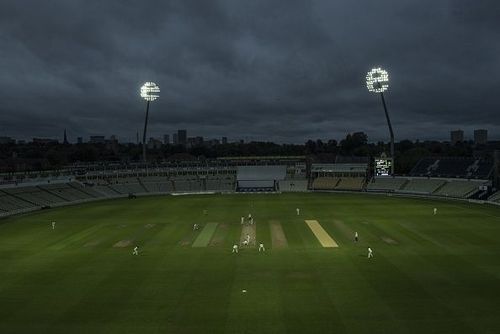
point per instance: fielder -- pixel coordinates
(195, 227)
(261, 247)
(242, 220)
(136, 251)
(298, 211)
(356, 236)
(235, 248)
(370, 253)
(53, 225)
(435, 211)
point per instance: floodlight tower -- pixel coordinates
(377, 81)
(149, 92)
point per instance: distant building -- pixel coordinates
(456, 136)
(7, 140)
(182, 137)
(480, 136)
(224, 140)
(97, 140)
(175, 140)
(65, 140)
(194, 141)
(166, 139)
(154, 143)
(79, 140)
(213, 142)
(45, 141)
(112, 143)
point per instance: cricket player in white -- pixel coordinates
(435, 210)
(53, 225)
(242, 220)
(261, 247)
(235, 248)
(370, 252)
(356, 236)
(136, 251)
(298, 211)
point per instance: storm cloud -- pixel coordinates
(285, 71)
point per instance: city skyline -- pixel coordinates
(480, 136)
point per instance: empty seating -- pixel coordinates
(454, 167)
(422, 186)
(35, 195)
(387, 183)
(351, 183)
(293, 185)
(325, 183)
(65, 191)
(459, 189)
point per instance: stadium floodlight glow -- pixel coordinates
(377, 81)
(149, 92)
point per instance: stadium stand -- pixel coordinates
(65, 191)
(495, 197)
(351, 183)
(459, 188)
(294, 185)
(13, 204)
(386, 183)
(339, 176)
(454, 167)
(35, 195)
(259, 178)
(422, 186)
(325, 183)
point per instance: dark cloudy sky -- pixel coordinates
(257, 69)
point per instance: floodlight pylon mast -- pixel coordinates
(390, 130)
(144, 133)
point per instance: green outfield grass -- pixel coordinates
(430, 274)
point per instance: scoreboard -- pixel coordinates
(383, 166)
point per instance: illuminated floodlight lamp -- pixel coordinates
(150, 91)
(377, 80)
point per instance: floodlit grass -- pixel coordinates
(430, 274)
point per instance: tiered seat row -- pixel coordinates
(454, 167)
(35, 195)
(66, 191)
(351, 183)
(325, 183)
(423, 186)
(293, 185)
(386, 183)
(338, 183)
(459, 189)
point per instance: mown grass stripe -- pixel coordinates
(322, 236)
(205, 235)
